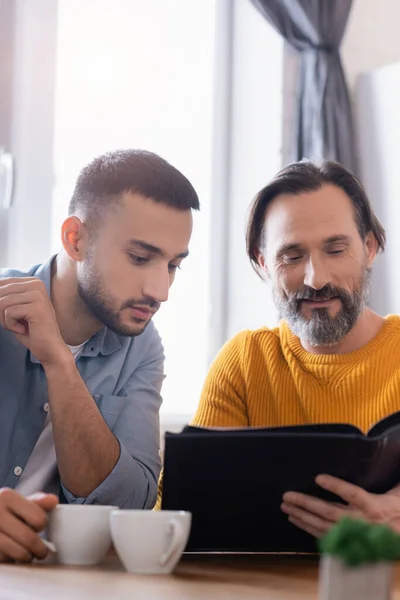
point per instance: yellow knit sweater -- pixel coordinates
(265, 378)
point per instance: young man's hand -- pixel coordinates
(27, 311)
(21, 521)
(317, 516)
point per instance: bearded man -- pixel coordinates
(313, 235)
(82, 363)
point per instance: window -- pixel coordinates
(140, 74)
(200, 83)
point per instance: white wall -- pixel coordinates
(256, 138)
(372, 37)
(31, 134)
(370, 51)
(377, 102)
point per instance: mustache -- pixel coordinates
(147, 302)
(309, 293)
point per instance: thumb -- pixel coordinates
(45, 501)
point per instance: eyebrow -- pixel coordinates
(338, 238)
(296, 247)
(286, 248)
(154, 249)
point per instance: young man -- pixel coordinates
(81, 363)
(312, 233)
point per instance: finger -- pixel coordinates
(18, 531)
(5, 303)
(24, 509)
(20, 307)
(18, 281)
(304, 527)
(9, 548)
(45, 501)
(352, 494)
(326, 510)
(307, 519)
(12, 317)
(13, 296)
(22, 297)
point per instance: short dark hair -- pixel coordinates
(101, 184)
(305, 176)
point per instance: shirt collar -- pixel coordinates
(43, 272)
(103, 342)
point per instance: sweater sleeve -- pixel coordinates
(223, 399)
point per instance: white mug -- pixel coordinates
(150, 541)
(80, 533)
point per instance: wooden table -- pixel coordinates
(196, 578)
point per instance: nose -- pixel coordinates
(316, 274)
(157, 284)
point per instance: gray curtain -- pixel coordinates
(324, 127)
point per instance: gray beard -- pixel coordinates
(322, 329)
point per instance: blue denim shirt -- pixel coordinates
(124, 376)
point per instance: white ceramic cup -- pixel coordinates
(150, 541)
(80, 533)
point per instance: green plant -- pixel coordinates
(356, 542)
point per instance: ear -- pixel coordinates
(262, 263)
(371, 247)
(74, 237)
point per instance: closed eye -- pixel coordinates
(138, 260)
(338, 251)
(173, 268)
(292, 259)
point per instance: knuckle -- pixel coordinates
(39, 520)
(331, 513)
(39, 285)
(375, 514)
(31, 539)
(6, 494)
(353, 496)
(39, 549)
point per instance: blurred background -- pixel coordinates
(226, 90)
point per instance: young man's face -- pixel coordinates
(132, 262)
(318, 263)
